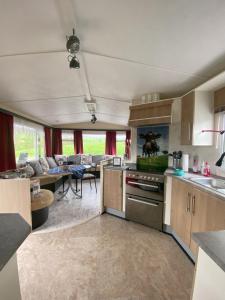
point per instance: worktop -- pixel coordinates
(187, 178)
(213, 243)
(13, 231)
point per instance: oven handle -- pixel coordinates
(143, 184)
(143, 202)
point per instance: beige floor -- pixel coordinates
(103, 259)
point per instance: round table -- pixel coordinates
(40, 207)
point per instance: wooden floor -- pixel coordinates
(105, 258)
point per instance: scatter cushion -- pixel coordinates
(35, 164)
(51, 162)
(44, 164)
(75, 159)
(28, 171)
(96, 159)
(60, 159)
(86, 159)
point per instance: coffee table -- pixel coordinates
(71, 170)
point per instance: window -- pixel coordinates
(67, 142)
(120, 143)
(28, 139)
(94, 143)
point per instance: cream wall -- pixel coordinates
(206, 153)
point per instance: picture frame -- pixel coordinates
(117, 161)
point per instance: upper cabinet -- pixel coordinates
(158, 112)
(197, 113)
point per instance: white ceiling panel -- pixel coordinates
(124, 80)
(129, 48)
(30, 26)
(39, 76)
(186, 36)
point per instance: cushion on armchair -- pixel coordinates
(51, 162)
(44, 164)
(60, 158)
(75, 159)
(35, 164)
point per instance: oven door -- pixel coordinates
(145, 189)
(144, 211)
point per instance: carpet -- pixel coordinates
(71, 211)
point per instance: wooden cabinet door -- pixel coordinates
(208, 214)
(199, 206)
(180, 210)
(113, 189)
(187, 118)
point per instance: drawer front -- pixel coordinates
(144, 211)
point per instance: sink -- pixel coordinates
(217, 184)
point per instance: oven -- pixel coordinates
(145, 198)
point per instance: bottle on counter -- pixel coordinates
(195, 166)
(202, 167)
(207, 170)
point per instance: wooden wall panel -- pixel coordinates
(15, 197)
(151, 113)
(219, 100)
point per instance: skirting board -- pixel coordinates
(115, 212)
(169, 230)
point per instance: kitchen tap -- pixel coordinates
(220, 160)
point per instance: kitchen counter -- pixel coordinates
(187, 178)
(13, 231)
(213, 243)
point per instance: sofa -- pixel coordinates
(38, 169)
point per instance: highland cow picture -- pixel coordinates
(152, 147)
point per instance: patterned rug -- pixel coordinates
(71, 211)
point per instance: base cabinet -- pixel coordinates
(113, 189)
(194, 210)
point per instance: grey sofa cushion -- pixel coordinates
(51, 162)
(86, 159)
(28, 171)
(35, 164)
(44, 164)
(60, 158)
(75, 159)
(96, 159)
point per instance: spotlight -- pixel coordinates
(93, 119)
(73, 43)
(74, 62)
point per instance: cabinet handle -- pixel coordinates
(189, 131)
(188, 202)
(193, 205)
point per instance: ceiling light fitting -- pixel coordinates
(93, 119)
(73, 47)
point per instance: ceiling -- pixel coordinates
(129, 48)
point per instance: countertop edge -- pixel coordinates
(213, 243)
(14, 230)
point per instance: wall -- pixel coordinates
(206, 153)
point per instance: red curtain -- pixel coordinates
(56, 141)
(78, 142)
(127, 143)
(110, 145)
(48, 142)
(7, 149)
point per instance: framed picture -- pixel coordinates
(117, 161)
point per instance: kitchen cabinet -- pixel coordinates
(113, 189)
(194, 210)
(197, 114)
(180, 217)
